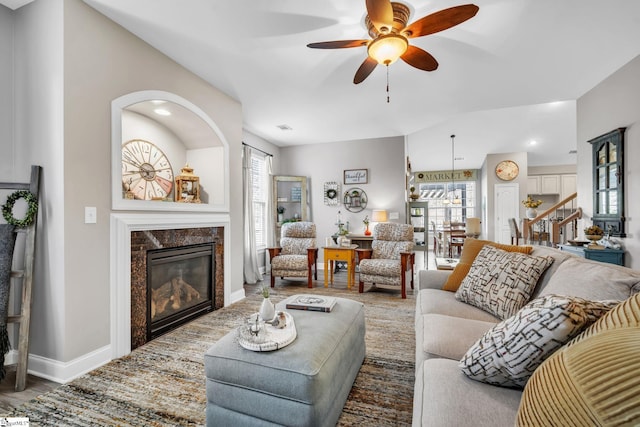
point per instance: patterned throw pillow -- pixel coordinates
(501, 282)
(508, 353)
(593, 380)
(470, 251)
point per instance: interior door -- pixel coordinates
(506, 206)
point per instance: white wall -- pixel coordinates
(102, 61)
(39, 139)
(70, 62)
(383, 157)
(612, 104)
(488, 199)
(6, 93)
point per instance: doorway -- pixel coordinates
(506, 206)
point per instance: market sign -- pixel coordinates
(445, 176)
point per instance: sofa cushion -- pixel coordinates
(470, 250)
(593, 280)
(513, 349)
(593, 380)
(501, 282)
(445, 397)
(449, 337)
(437, 301)
(558, 258)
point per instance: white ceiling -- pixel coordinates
(495, 69)
(14, 4)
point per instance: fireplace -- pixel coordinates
(180, 286)
(176, 276)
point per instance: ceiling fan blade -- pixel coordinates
(441, 20)
(419, 58)
(380, 13)
(338, 44)
(365, 69)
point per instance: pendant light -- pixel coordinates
(456, 200)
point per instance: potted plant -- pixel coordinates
(413, 194)
(531, 206)
(267, 309)
(281, 210)
(365, 221)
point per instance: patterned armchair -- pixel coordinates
(390, 257)
(297, 253)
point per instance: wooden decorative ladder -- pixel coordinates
(26, 274)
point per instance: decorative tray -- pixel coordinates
(274, 338)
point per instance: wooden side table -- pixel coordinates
(340, 253)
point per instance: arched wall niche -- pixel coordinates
(187, 136)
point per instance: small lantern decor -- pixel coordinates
(187, 186)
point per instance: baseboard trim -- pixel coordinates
(237, 296)
(64, 372)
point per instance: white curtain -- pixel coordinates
(250, 254)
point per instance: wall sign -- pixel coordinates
(356, 176)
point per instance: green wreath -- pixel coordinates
(7, 208)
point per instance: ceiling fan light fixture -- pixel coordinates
(387, 48)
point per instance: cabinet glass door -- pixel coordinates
(608, 182)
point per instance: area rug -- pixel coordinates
(162, 383)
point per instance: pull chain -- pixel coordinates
(387, 83)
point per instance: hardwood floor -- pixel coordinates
(37, 386)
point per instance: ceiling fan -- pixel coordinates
(387, 25)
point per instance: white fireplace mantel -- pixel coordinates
(122, 224)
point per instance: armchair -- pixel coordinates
(297, 253)
(389, 258)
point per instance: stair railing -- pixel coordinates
(555, 225)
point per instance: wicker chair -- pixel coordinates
(297, 254)
(390, 258)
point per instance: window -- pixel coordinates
(260, 182)
(438, 193)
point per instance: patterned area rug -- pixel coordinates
(162, 383)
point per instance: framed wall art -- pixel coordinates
(356, 176)
(331, 193)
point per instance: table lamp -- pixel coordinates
(472, 227)
(379, 215)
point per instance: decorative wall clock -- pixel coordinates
(146, 171)
(507, 170)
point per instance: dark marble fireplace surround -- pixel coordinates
(143, 241)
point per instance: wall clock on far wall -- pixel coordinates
(507, 170)
(146, 171)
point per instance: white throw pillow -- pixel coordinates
(501, 282)
(508, 353)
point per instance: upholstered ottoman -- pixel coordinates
(303, 384)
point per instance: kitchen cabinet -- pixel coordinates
(563, 185)
(568, 185)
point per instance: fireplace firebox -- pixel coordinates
(180, 286)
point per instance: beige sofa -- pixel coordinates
(446, 328)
